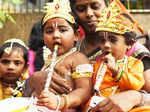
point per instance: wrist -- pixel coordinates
(64, 102)
(143, 98)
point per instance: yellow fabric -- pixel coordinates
(132, 77)
(79, 75)
(21, 110)
(7, 92)
(141, 109)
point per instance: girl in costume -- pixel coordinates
(116, 72)
(13, 64)
(59, 28)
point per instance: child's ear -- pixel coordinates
(77, 35)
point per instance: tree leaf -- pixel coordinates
(2, 16)
(10, 18)
(1, 25)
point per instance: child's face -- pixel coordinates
(12, 65)
(59, 31)
(113, 43)
(88, 11)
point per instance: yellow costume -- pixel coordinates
(131, 78)
(12, 90)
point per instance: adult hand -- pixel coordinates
(122, 102)
(58, 84)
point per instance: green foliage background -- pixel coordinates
(4, 16)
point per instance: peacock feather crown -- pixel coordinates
(115, 18)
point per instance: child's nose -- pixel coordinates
(56, 34)
(11, 66)
(107, 44)
(89, 13)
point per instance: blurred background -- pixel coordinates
(18, 16)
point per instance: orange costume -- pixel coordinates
(129, 78)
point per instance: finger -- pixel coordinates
(61, 81)
(100, 106)
(58, 88)
(107, 107)
(53, 91)
(45, 94)
(115, 110)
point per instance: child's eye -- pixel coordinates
(81, 8)
(95, 6)
(17, 63)
(5, 62)
(49, 31)
(112, 39)
(63, 30)
(102, 40)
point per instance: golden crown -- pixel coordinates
(58, 8)
(115, 18)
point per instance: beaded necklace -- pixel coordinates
(101, 73)
(11, 90)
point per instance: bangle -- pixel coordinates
(58, 104)
(142, 98)
(66, 102)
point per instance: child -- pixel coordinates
(59, 28)
(13, 64)
(115, 72)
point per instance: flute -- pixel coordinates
(51, 67)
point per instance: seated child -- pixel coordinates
(13, 64)
(115, 72)
(59, 28)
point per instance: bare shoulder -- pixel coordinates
(79, 58)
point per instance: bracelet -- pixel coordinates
(142, 98)
(66, 102)
(59, 101)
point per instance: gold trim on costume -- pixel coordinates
(58, 8)
(79, 75)
(115, 18)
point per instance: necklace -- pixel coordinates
(101, 73)
(58, 59)
(11, 90)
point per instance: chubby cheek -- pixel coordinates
(47, 42)
(3, 69)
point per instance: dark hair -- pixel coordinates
(72, 3)
(129, 38)
(36, 40)
(15, 46)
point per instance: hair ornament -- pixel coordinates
(58, 8)
(115, 18)
(12, 41)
